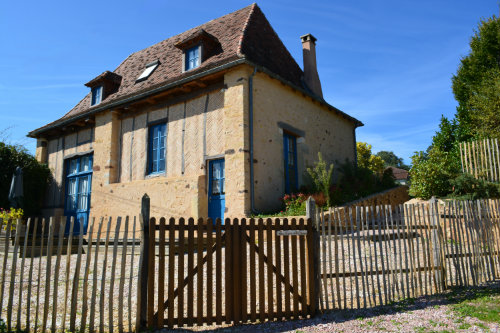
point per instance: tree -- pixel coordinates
(367, 160)
(391, 159)
(476, 87)
(476, 84)
(35, 177)
(431, 173)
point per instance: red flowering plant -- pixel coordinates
(295, 204)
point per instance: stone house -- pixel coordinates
(216, 121)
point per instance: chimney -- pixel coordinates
(311, 76)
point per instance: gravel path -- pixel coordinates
(425, 314)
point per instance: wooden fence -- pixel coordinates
(237, 272)
(186, 272)
(57, 283)
(481, 159)
(377, 255)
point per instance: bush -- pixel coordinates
(12, 214)
(358, 182)
(295, 204)
(321, 177)
(431, 173)
(35, 177)
(465, 186)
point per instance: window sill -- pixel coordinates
(155, 175)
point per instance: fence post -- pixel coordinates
(314, 288)
(437, 244)
(142, 287)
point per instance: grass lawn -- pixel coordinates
(483, 304)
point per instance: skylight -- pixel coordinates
(147, 72)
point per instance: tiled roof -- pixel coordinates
(399, 174)
(243, 34)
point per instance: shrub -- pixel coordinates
(12, 214)
(465, 186)
(295, 204)
(358, 182)
(431, 173)
(320, 199)
(321, 177)
(35, 177)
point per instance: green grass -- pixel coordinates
(485, 307)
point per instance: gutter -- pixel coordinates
(134, 98)
(250, 128)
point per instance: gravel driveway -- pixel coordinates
(424, 314)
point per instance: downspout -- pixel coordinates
(250, 128)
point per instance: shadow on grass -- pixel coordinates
(454, 296)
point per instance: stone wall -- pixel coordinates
(193, 136)
(394, 196)
(279, 108)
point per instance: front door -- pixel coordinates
(78, 189)
(216, 190)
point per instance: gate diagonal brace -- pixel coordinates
(275, 270)
(194, 271)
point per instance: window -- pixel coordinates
(96, 95)
(147, 72)
(79, 179)
(192, 59)
(156, 148)
(290, 154)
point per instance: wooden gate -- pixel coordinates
(237, 272)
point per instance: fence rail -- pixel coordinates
(481, 159)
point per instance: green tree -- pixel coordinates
(367, 160)
(476, 87)
(476, 84)
(431, 173)
(391, 159)
(35, 177)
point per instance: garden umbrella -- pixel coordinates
(16, 188)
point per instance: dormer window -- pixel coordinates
(148, 71)
(192, 58)
(103, 86)
(96, 95)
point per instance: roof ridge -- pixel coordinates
(244, 30)
(193, 28)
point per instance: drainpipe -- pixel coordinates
(250, 127)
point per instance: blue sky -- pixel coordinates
(387, 63)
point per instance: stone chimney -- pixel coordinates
(311, 76)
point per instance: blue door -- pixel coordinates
(216, 190)
(78, 190)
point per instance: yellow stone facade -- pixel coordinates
(212, 125)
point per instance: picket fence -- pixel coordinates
(481, 159)
(128, 274)
(374, 256)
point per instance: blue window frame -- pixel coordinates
(192, 58)
(156, 149)
(78, 191)
(96, 95)
(290, 154)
